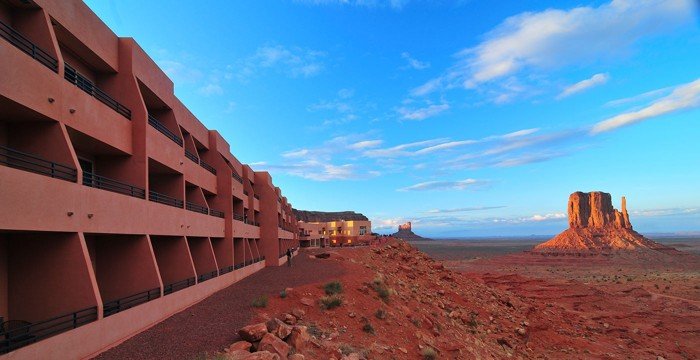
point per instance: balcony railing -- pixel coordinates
(237, 177)
(196, 208)
(83, 83)
(104, 183)
(226, 270)
(216, 213)
(115, 306)
(164, 130)
(207, 167)
(179, 285)
(28, 162)
(256, 196)
(164, 199)
(238, 217)
(191, 156)
(207, 276)
(23, 333)
(22, 43)
(245, 192)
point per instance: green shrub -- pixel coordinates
(368, 328)
(333, 287)
(331, 302)
(380, 314)
(283, 294)
(260, 301)
(429, 353)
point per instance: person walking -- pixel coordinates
(289, 257)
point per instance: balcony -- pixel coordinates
(197, 208)
(74, 77)
(207, 167)
(171, 288)
(207, 276)
(119, 305)
(237, 177)
(22, 43)
(164, 199)
(191, 156)
(216, 213)
(32, 163)
(256, 196)
(18, 333)
(101, 182)
(164, 130)
(238, 217)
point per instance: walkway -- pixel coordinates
(213, 323)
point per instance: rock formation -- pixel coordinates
(407, 234)
(324, 216)
(595, 226)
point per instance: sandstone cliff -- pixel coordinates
(324, 216)
(407, 234)
(595, 226)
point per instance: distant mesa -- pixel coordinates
(596, 227)
(407, 234)
(326, 216)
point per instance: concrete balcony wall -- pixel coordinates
(202, 255)
(173, 257)
(164, 150)
(223, 251)
(197, 175)
(243, 230)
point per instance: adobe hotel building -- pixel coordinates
(118, 207)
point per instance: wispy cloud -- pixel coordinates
(317, 170)
(400, 150)
(424, 112)
(446, 185)
(291, 61)
(211, 89)
(549, 39)
(593, 81)
(464, 209)
(683, 97)
(412, 63)
(366, 144)
(392, 4)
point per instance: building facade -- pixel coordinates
(118, 207)
(334, 233)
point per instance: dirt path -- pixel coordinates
(212, 324)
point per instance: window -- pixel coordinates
(363, 230)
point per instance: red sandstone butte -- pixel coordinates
(595, 226)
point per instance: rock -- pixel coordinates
(299, 314)
(253, 333)
(274, 345)
(236, 355)
(520, 331)
(306, 301)
(299, 338)
(405, 233)
(262, 355)
(289, 319)
(296, 357)
(351, 356)
(239, 345)
(278, 328)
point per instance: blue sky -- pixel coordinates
(466, 117)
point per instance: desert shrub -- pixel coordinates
(472, 320)
(333, 287)
(380, 314)
(283, 294)
(416, 322)
(368, 328)
(428, 353)
(260, 301)
(331, 302)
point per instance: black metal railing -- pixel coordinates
(191, 156)
(226, 270)
(239, 265)
(245, 192)
(179, 285)
(28, 162)
(164, 130)
(207, 276)
(83, 83)
(216, 213)
(28, 47)
(164, 199)
(207, 167)
(238, 217)
(196, 208)
(25, 333)
(256, 196)
(104, 183)
(237, 177)
(114, 306)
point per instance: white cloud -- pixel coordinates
(296, 153)
(446, 185)
(595, 80)
(211, 89)
(422, 113)
(445, 146)
(292, 61)
(465, 209)
(180, 73)
(400, 150)
(317, 170)
(414, 63)
(683, 97)
(366, 144)
(552, 38)
(546, 217)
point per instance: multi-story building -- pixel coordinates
(118, 207)
(334, 233)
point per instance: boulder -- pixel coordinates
(253, 333)
(306, 301)
(299, 338)
(239, 345)
(263, 355)
(278, 328)
(296, 357)
(274, 345)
